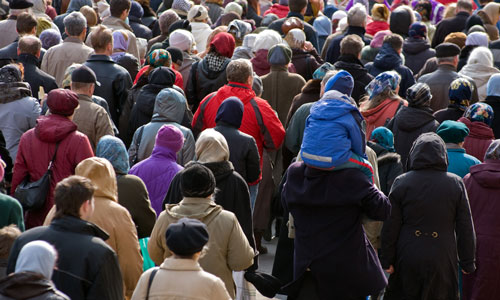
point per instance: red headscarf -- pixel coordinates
(224, 44)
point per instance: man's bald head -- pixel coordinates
(29, 44)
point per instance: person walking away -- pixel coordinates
(53, 134)
(478, 119)
(78, 276)
(427, 227)
(460, 96)
(453, 134)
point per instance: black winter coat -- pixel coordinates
(87, 268)
(416, 53)
(430, 224)
(360, 74)
(28, 286)
(447, 26)
(306, 62)
(407, 125)
(243, 152)
(203, 81)
(130, 63)
(333, 52)
(389, 166)
(233, 194)
(8, 54)
(328, 208)
(140, 30)
(115, 83)
(36, 77)
(494, 102)
(388, 59)
(452, 113)
(142, 111)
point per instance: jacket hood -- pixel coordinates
(323, 26)
(230, 112)
(12, 91)
(387, 58)
(480, 73)
(478, 130)
(101, 173)
(170, 106)
(411, 118)
(428, 152)
(487, 174)
(24, 285)
(54, 128)
(190, 208)
(332, 105)
(415, 46)
(162, 76)
(352, 65)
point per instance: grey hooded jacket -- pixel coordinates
(170, 106)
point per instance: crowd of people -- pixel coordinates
(148, 147)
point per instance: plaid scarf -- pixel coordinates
(215, 62)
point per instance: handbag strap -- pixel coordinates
(150, 281)
(53, 157)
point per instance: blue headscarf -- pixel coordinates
(480, 112)
(113, 149)
(384, 81)
(383, 137)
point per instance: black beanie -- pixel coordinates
(197, 181)
(186, 237)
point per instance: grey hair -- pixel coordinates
(75, 23)
(327, 77)
(239, 70)
(357, 15)
(445, 59)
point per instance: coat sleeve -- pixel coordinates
(157, 248)
(133, 150)
(103, 125)
(121, 86)
(129, 252)
(191, 88)
(252, 162)
(146, 216)
(198, 124)
(132, 46)
(464, 229)
(35, 113)
(219, 291)
(295, 130)
(141, 288)
(83, 151)
(108, 284)
(188, 149)
(391, 228)
(239, 253)
(174, 192)
(20, 169)
(274, 133)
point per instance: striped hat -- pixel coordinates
(419, 95)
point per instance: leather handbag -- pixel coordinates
(32, 195)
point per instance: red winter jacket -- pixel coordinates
(376, 26)
(479, 138)
(259, 119)
(36, 149)
(280, 10)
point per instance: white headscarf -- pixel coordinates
(38, 257)
(211, 146)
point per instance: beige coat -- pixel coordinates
(92, 120)
(228, 248)
(118, 24)
(112, 218)
(58, 58)
(181, 279)
(8, 32)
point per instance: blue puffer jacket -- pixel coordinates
(333, 132)
(388, 59)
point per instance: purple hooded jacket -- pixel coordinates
(158, 170)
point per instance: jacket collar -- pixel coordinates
(463, 14)
(72, 39)
(197, 200)
(295, 14)
(279, 68)
(26, 58)
(239, 85)
(100, 57)
(446, 67)
(355, 30)
(76, 225)
(116, 21)
(180, 264)
(83, 97)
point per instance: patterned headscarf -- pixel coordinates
(320, 72)
(159, 58)
(383, 137)
(419, 95)
(114, 150)
(384, 81)
(493, 151)
(480, 112)
(460, 92)
(10, 73)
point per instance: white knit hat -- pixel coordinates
(266, 39)
(182, 39)
(197, 13)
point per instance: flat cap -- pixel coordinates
(453, 131)
(447, 50)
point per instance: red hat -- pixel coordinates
(62, 102)
(224, 44)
